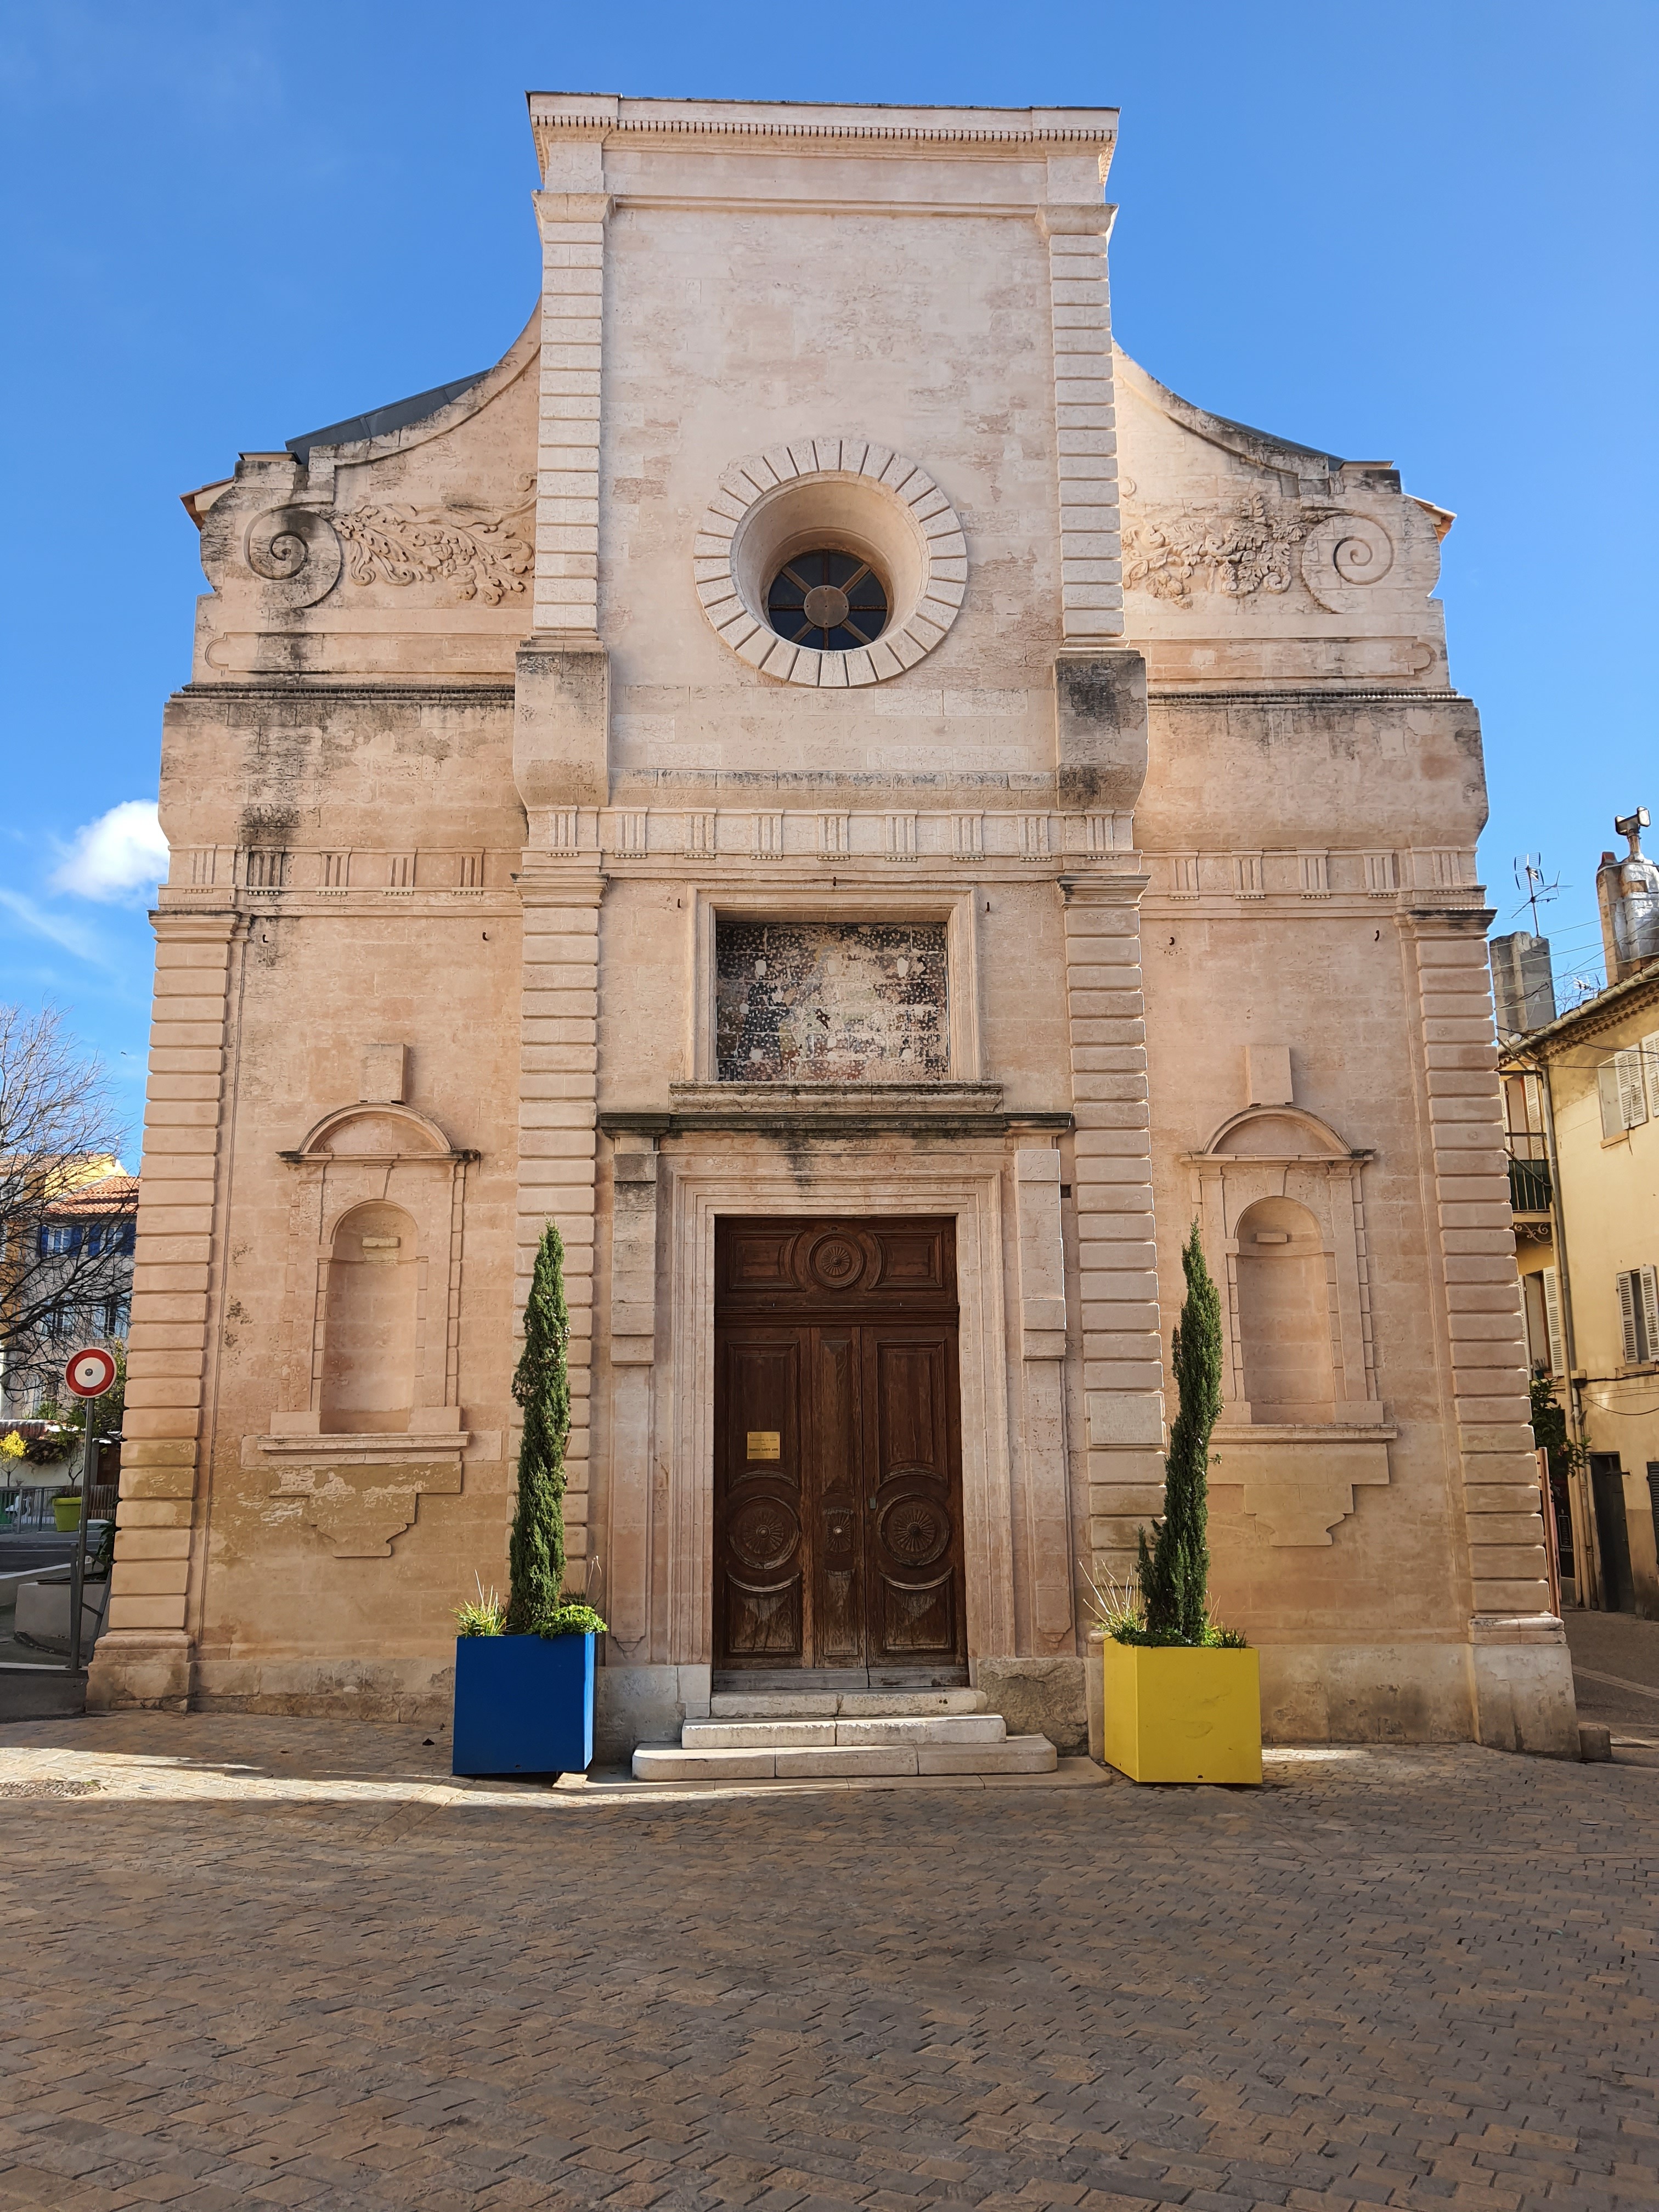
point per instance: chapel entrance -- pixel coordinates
(838, 1546)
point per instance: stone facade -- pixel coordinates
(492, 775)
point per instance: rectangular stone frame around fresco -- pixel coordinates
(955, 907)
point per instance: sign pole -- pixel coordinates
(78, 1566)
(89, 1373)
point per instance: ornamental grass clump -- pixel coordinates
(1173, 1569)
(538, 1604)
(484, 1615)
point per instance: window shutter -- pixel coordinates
(1607, 1082)
(1647, 1283)
(1628, 1292)
(1648, 1049)
(1552, 1322)
(1632, 1099)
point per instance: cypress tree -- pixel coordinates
(541, 1384)
(1175, 1568)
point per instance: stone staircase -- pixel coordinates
(781, 1736)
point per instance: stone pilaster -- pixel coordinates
(557, 1090)
(1521, 1675)
(1486, 1331)
(145, 1658)
(1042, 1430)
(571, 226)
(630, 1444)
(1085, 422)
(1122, 1362)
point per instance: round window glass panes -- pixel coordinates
(833, 602)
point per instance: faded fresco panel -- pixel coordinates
(831, 1002)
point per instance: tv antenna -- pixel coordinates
(1530, 882)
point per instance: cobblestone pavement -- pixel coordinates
(265, 1962)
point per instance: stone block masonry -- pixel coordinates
(557, 1124)
(568, 447)
(1122, 1355)
(188, 1122)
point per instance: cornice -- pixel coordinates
(1302, 695)
(299, 689)
(587, 115)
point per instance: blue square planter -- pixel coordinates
(524, 1705)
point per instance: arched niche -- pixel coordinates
(372, 1292)
(1281, 1206)
(1283, 1276)
(1280, 1171)
(370, 1315)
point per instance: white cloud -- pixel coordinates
(122, 852)
(57, 929)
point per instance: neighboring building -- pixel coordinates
(1582, 1097)
(1523, 984)
(79, 1281)
(822, 777)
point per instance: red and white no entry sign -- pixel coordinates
(89, 1373)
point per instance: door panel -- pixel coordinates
(837, 1477)
(915, 1546)
(758, 1549)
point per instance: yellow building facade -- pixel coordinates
(1581, 1115)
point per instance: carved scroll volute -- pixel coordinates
(295, 555)
(253, 538)
(1344, 557)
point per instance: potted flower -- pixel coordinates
(524, 1671)
(1178, 1697)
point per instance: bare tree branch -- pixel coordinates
(61, 1257)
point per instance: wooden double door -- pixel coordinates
(838, 1450)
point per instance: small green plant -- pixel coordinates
(575, 1617)
(484, 1615)
(1549, 1427)
(1118, 1612)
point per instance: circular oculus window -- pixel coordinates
(831, 563)
(833, 602)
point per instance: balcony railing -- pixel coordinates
(1529, 1186)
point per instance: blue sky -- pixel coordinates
(1417, 233)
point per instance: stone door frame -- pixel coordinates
(969, 1185)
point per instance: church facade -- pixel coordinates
(818, 775)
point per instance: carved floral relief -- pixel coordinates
(1238, 552)
(1256, 545)
(296, 551)
(487, 559)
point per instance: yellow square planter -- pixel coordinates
(1170, 1714)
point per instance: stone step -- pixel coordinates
(1016, 1754)
(833, 1705)
(886, 1727)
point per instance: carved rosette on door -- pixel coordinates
(838, 1486)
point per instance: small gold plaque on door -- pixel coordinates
(765, 1444)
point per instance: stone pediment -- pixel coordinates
(1278, 1133)
(376, 1131)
